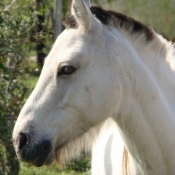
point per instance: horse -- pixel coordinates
(108, 86)
(106, 159)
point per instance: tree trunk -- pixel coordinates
(57, 18)
(40, 43)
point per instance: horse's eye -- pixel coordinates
(67, 70)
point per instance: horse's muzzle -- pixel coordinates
(33, 152)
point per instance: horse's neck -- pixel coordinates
(159, 57)
(146, 117)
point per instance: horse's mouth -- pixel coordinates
(46, 157)
(38, 154)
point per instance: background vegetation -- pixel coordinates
(156, 13)
(26, 32)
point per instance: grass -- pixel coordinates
(32, 75)
(47, 170)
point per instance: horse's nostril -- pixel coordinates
(22, 140)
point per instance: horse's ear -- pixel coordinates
(80, 9)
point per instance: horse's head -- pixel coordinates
(74, 93)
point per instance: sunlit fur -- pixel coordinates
(119, 76)
(109, 155)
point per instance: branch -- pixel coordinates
(9, 6)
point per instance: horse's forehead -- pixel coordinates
(70, 44)
(72, 38)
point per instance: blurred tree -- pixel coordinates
(16, 22)
(40, 42)
(157, 14)
(52, 13)
(57, 17)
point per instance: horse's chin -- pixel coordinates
(50, 159)
(65, 153)
(71, 149)
(47, 162)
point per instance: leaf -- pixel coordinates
(6, 78)
(18, 21)
(2, 5)
(2, 66)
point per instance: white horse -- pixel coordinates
(109, 156)
(104, 65)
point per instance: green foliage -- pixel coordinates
(49, 170)
(98, 1)
(11, 55)
(81, 165)
(157, 14)
(14, 38)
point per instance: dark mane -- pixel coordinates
(119, 20)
